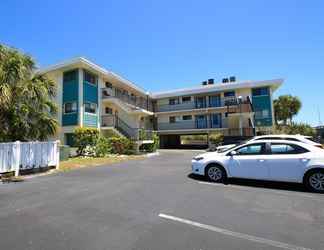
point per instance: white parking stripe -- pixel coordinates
(234, 234)
(290, 193)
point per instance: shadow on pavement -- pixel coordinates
(255, 183)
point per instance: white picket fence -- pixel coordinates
(15, 156)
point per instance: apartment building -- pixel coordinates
(91, 96)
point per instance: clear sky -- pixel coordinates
(162, 45)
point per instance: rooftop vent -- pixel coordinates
(225, 80)
(211, 81)
(232, 79)
(204, 83)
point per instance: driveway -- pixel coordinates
(156, 204)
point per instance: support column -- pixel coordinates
(80, 102)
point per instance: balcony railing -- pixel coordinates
(126, 130)
(136, 101)
(192, 124)
(212, 103)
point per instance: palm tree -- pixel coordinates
(27, 106)
(286, 107)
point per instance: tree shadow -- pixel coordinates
(297, 187)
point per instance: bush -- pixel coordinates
(121, 145)
(85, 138)
(216, 138)
(296, 128)
(103, 147)
(152, 147)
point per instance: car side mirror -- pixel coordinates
(232, 153)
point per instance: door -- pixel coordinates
(201, 121)
(249, 162)
(287, 162)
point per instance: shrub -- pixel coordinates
(295, 128)
(216, 138)
(152, 147)
(85, 137)
(103, 147)
(121, 145)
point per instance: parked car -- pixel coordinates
(275, 160)
(298, 138)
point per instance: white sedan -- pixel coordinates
(298, 138)
(275, 160)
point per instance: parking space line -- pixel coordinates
(283, 192)
(223, 231)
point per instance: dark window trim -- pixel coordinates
(296, 147)
(73, 111)
(90, 107)
(263, 149)
(93, 75)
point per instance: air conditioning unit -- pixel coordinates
(204, 83)
(211, 81)
(232, 79)
(225, 80)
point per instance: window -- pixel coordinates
(90, 78)
(70, 75)
(108, 85)
(264, 113)
(187, 117)
(283, 148)
(277, 138)
(172, 119)
(186, 99)
(70, 107)
(229, 94)
(173, 101)
(260, 91)
(252, 149)
(215, 101)
(215, 120)
(108, 110)
(200, 102)
(90, 107)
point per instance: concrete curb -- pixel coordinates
(152, 154)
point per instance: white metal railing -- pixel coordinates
(16, 156)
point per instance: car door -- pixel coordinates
(249, 162)
(287, 161)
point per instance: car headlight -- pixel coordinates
(198, 158)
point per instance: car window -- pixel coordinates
(283, 148)
(252, 149)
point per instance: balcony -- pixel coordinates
(234, 104)
(193, 124)
(124, 96)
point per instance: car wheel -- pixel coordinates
(215, 173)
(314, 181)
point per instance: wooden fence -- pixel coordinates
(16, 156)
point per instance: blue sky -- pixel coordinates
(162, 45)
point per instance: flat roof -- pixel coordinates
(274, 84)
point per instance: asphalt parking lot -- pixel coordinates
(156, 204)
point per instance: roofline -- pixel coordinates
(275, 83)
(95, 67)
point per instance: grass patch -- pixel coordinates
(81, 162)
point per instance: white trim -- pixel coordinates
(275, 83)
(88, 63)
(80, 104)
